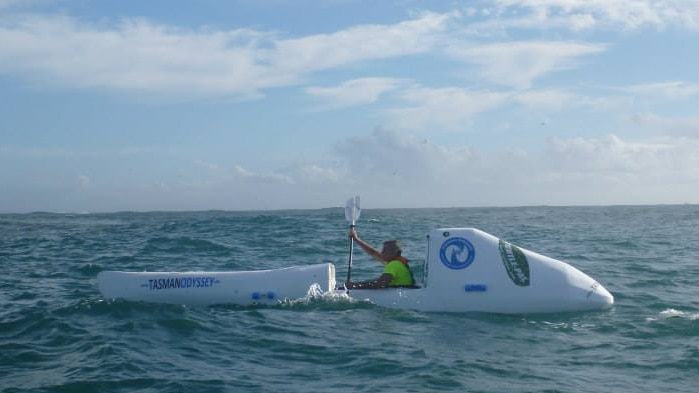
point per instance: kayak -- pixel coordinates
(466, 270)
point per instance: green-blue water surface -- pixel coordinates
(58, 335)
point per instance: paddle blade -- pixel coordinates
(352, 210)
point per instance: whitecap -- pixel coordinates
(673, 313)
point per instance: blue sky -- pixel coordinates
(173, 105)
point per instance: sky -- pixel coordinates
(243, 104)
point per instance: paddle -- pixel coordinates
(352, 212)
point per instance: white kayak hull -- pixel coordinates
(209, 288)
(466, 270)
(469, 270)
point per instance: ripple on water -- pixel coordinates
(186, 244)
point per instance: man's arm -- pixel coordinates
(374, 253)
(381, 282)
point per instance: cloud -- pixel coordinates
(208, 166)
(423, 109)
(139, 56)
(613, 170)
(367, 42)
(599, 99)
(607, 154)
(663, 90)
(519, 63)
(299, 174)
(441, 109)
(553, 100)
(586, 14)
(354, 92)
(134, 55)
(549, 100)
(677, 126)
(385, 155)
(577, 170)
(314, 174)
(243, 175)
(395, 169)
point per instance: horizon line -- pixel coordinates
(342, 207)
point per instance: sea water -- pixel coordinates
(58, 335)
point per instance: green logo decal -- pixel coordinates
(515, 263)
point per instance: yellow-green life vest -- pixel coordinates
(400, 272)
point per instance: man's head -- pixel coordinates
(391, 249)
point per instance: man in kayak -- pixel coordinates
(396, 271)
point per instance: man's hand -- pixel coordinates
(353, 234)
(365, 246)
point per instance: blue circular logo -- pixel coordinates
(457, 253)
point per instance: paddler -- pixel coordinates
(396, 271)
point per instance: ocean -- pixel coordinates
(57, 334)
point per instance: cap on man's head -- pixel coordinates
(391, 249)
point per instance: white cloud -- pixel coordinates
(519, 63)
(678, 126)
(442, 109)
(608, 154)
(548, 100)
(135, 55)
(664, 90)
(244, 175)
(584, 14)
(392, 169)
(623, 99)
(354, 92)
(209, 166)
(140, 56)
(323, 51)
(386, 157)
(612, 170)
(553, 100)
(314, 174)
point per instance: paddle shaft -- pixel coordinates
(351, 251)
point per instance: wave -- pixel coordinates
(673, 313)
(184, 244)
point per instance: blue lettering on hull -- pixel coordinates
(157, 284)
